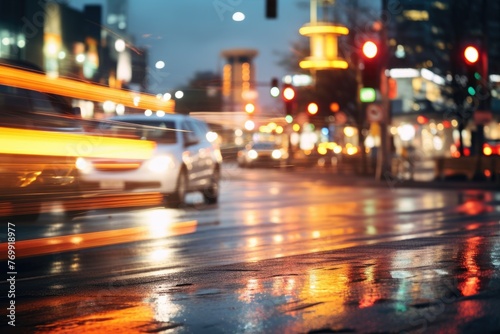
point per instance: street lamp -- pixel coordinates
(179, 94)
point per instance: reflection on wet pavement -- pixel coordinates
(322, 259)
(443, 285)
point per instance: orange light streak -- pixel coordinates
(16, 77)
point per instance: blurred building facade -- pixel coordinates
(426, 40)
(238, 79)
(426, 33)
(67, 42)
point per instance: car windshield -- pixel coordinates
(159, 131)
(264, 146)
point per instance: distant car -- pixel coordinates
(185, 159)
(491, 147)
(265, 154)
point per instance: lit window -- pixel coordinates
(416, 15)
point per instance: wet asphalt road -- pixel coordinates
(292, 251)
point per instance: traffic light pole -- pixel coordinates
(361, 116)
(484, 105)
(384, 154)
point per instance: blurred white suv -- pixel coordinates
(186, 159)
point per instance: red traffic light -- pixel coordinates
(369, 49)
(371, 61)
(471, 54)
(288, 93)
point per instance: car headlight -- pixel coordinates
(252, 154)
(160, 164)
(83, 165)
(276, 154)
(212, 136)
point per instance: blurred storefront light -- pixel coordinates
(349, 131)
(21, 43)
(406, 132)
(120, 109)
(249, 125)
(120, 45)
(404, 73)
(124, 67)
(109, 106)
(80, 58)
(238, 16)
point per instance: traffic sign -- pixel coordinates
(482, 117)
(374, 112)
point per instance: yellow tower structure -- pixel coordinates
(324, 42)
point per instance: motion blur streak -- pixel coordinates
(81, 90)
(35, 142)
(96, 239)
(113, 201)
(96, 202)
(136, 317)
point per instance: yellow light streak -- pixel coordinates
(323, 64)
(81, 90)
(323, 29)
(35, 142)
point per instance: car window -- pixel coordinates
(31, 109)
(156, 130)
(190, 133)
(264, 146)
(14, 105)
(45, 113)
(200, 129)
(41, 103)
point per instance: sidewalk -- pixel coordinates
(423, 177)
(420, 181)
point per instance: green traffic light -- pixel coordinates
(471, 91)
(289, 119)
(477, 76)
(367, 94)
